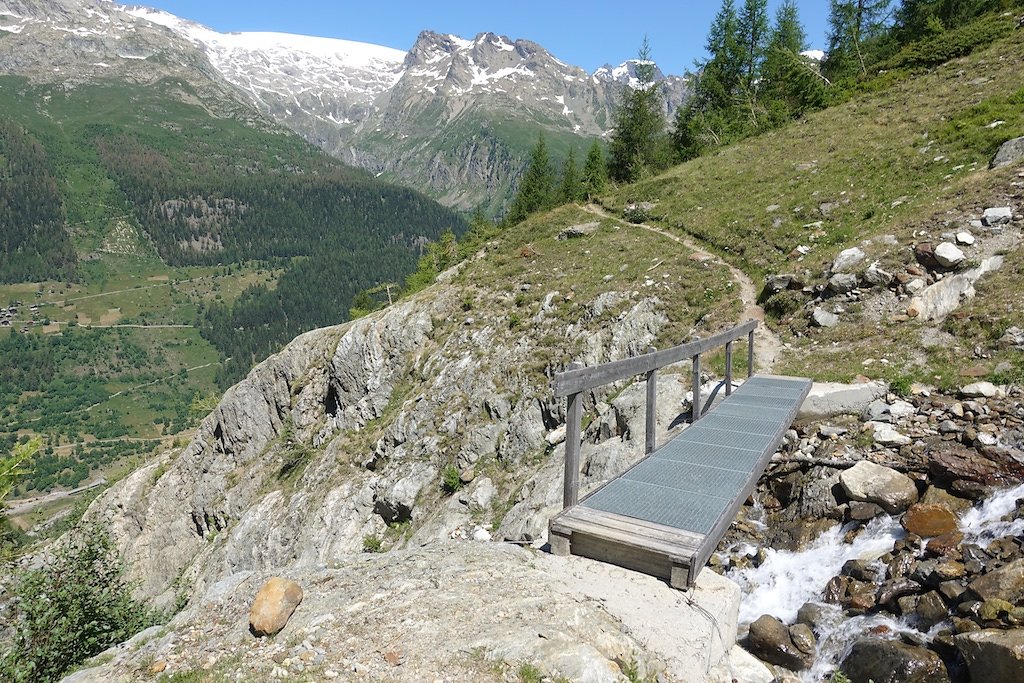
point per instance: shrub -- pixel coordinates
(450, 479)
(76, 605)
(372, 544)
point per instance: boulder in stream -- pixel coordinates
(890, 661)
(872, 483)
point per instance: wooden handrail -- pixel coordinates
(575, 380)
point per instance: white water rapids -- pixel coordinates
(786, 580)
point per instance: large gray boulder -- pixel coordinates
(993, 655)
(847, 260)
(826, 399)
(1009, 153)
(881, 485)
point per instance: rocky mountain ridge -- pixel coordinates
(453, 117)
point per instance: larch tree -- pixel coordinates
(537, 187)
(572, 183)
(595, 172)
(637, 147)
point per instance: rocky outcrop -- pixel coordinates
(453, 611)
(1009, 153)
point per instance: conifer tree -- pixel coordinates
(572, 183)
(637, 147)
(792, 82)
(852, 24)
(537, 187)
(595, 172)
(752, 31)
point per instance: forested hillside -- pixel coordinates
(33, 242)
(204, 189)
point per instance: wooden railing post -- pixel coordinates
(650, 427)
(750, 353)
(695, 414)
(573, 419)
(728, 368)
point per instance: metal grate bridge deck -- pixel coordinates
(666, 514)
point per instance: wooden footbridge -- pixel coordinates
(665, 515)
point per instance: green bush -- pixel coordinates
(76, 605)
(373, 544)
(450, 479)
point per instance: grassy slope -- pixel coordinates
(894, 162)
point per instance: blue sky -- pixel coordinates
(587, 34)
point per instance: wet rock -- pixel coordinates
(859, 511)
(955, 464)
(769, 639)
(273, 606)
(928, 521)
(813, 615)
(944, 544)
(890, 591)
(890, 661)
(993, 655)
(803, 638)
(873, 483)
(994, 609)
(931, 609)
(823, 318)
(862, 570)
(948, 255)
(1009, 153)
(1005, 583)
(847, 260)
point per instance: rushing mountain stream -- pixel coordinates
(785, 583)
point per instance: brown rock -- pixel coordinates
(928, 521)
(157, 667)
(273, 606)
(890, 661)
(769, 640)
(946, 544)
(1005, 583)
(937, 496)
(951, 462)
(924, 252)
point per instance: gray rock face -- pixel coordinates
(1009, 153)
(873, 483)
(505, 603)
(993, 655)
(937, 301)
